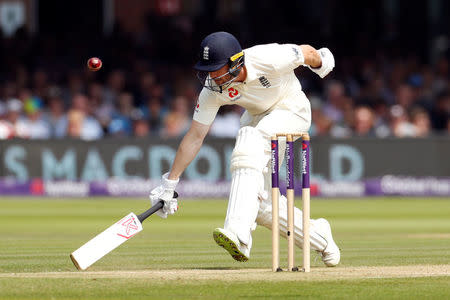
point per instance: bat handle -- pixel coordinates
(153, 209)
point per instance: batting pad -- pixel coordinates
(265, 219)
(249, 151)
(243, 204)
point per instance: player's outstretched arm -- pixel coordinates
(319, 61)
(187, 150)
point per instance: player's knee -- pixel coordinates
(264, 217)
(249, 151)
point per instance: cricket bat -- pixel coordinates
(112, 237)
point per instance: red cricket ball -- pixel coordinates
(94, 64)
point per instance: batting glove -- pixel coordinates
(165, 192)
(327, 63)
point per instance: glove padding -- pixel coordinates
(165, 192)
(327, 63)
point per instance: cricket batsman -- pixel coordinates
(260, 79)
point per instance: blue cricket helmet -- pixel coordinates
(216, 50)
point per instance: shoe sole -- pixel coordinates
(224, 242)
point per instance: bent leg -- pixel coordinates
(247, 163)
(281, 121)
(264, 218)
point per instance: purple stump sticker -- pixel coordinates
(274, 152)
(290, 165)
(305, 164)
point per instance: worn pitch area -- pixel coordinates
(317, 274)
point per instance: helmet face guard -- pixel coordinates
(236, 62)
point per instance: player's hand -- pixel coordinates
(327, 63)
(165, 192)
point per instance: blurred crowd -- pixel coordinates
(387, 98)
(93, 110)
(379, 95)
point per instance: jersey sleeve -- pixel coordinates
(286, 57)
(206, 108)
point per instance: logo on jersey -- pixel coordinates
(233, 94)
(197, 106)
(206, 53)
(264, 82)
(295, 52)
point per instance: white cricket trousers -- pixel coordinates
(250, 204)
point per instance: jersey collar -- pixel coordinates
(251, 71)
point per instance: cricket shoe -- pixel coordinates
(230, 242)
(331, 255)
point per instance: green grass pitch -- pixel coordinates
(391, 248)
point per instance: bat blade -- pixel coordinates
(106, 241)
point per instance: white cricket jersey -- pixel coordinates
(270, 83)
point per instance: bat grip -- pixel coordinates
(153, 209)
